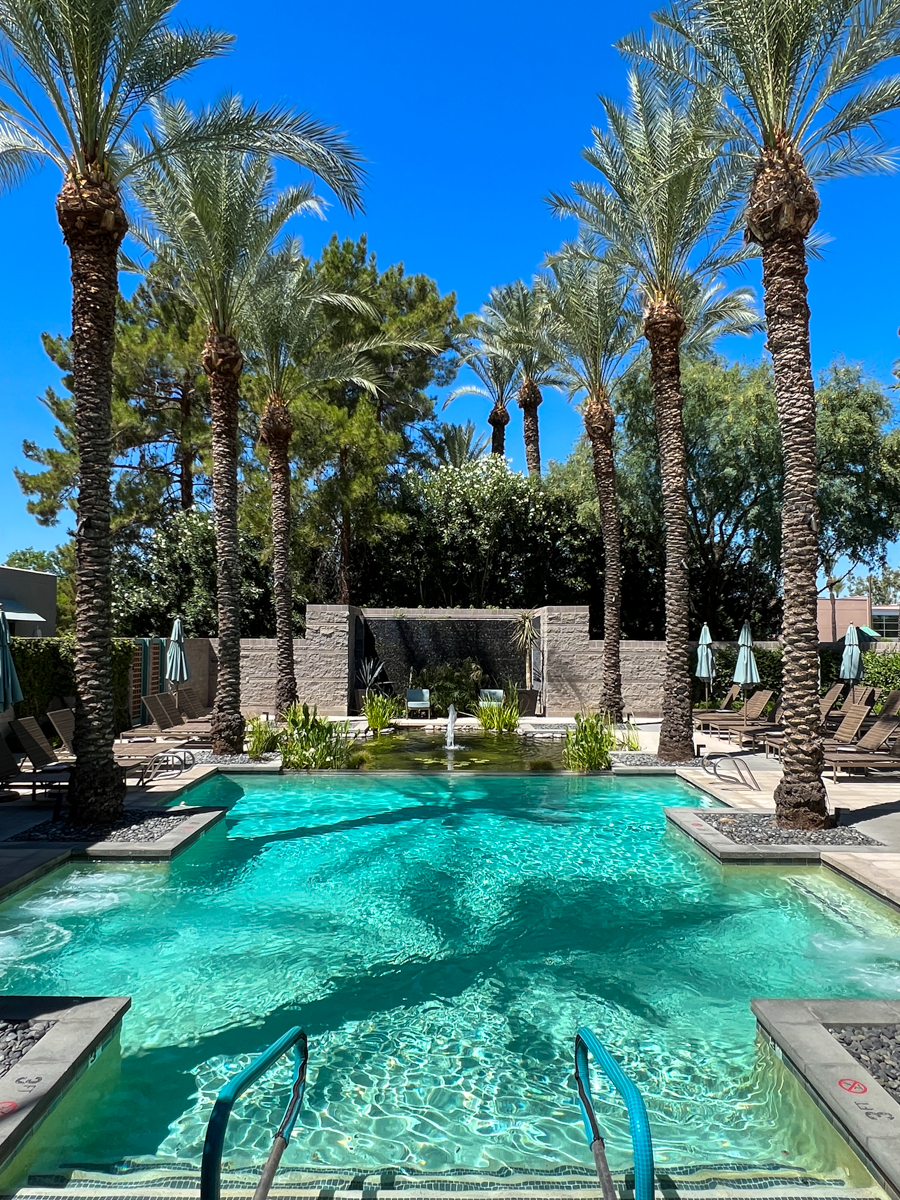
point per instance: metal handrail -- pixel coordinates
(211, 1162)
(744, 776)
(641, 1142)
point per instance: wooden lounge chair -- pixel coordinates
(177, 717)
(732, 694)
(169, 726)
(189, 703)
(418, 700)
(869, 751)
(830, 699)
(853, 717)
(11, 772)
(751, 711)
(45, 765)
(753, 732)
(63, 721)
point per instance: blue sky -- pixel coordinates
(469, 115)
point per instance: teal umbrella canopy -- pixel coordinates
(746, 672)
(706, 659)
(851, 659)
(177, 670)
(10, 692)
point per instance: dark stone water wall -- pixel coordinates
(405, 644)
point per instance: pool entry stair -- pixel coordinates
(137, 1180)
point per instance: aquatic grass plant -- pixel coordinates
(498, 718)
(630, 739)
(261, 737)
(380, 710)
(310, 742)
(589, 745)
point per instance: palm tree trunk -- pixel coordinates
(498, 421)
(276, 430)
(93, 224)
(782, 209)
(529, 400)
(664, 329)
(223, 363)
(599, 425)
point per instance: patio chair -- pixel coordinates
(45, 765)
(172, 726)
(189, 702)
(731, 695)
(490, 696)
(853, 717)
(11, 772)
(754, 731)
(751, 711)
(177, 717)
(830, 699)
(418, 700)
(63, 721)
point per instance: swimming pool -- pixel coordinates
(441, 938)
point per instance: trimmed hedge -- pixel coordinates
(881, 670)
(46, 670)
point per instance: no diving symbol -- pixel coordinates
(853, 1086)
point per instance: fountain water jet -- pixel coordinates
(450, 739)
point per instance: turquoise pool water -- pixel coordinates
(440, 939)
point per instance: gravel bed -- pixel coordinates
(639, 758)
(138, 825)
(17, 1038)
(877, 1048)
(229, 760)
(759, 829)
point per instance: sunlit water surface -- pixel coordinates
(441, 938)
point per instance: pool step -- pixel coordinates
(716, 1181)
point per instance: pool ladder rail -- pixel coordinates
(211, 1162)
(586, 1043)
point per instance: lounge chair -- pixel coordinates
(165, 724)
(732, 694)
(45, 765)
(418, 700)
(853, 717)
(830, 699)
(63, 721)
(751, 711)
(11, 772)
(189, 702)
(178, 718)
(754, 731)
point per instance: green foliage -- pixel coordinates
(589, 745)
(631, 739)
(381, 710)
(261, 737)
(455, 445)
(541, 764)
(61, 563)
(881, 670)
(883, 587)
(46, 671)
(448, 684)
(768, 662)
(309, 742)
(172, 572)
(499, 718)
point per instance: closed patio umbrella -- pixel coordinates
(746, 672)
(176, 662)
(706, 659)
(10, 692)
(851, 659)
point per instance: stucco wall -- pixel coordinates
(32, 591)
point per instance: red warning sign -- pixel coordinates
(853, 1086)
(7, 1107)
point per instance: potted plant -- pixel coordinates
(525, 637)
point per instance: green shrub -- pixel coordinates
(380, 710)
(261, 737)
(309, 742)
(46, 670)
(457, 684)
(881, 670)
(589, 745)
(499, 718)
(630, 739)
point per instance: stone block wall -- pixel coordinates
(323, 660)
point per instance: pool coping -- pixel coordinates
(855, 1103)
(197, 820)
(32, 1088)
(721, 847)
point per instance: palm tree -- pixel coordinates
(76, 76)
(286, 326)
(801, 82)
(514, 325)
(658, 211)
(497, 372)
(214, 216)
(455, 445)
(593, 330)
